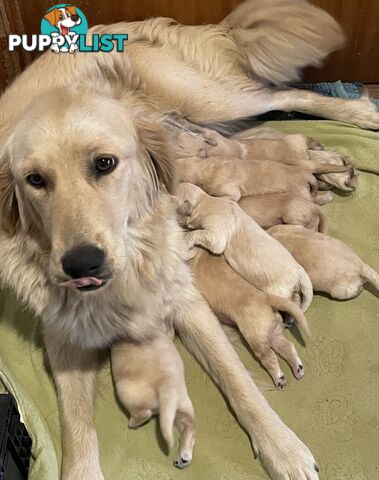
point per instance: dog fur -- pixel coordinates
(149, 380)
(220, 226)
(254, 313)
(332, 266)
(54, 116)
(288, 208)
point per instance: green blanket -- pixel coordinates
(334, 409)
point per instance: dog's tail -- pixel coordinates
(280, 37)
(168, 403)
(284, 305)
(370, 275)
(306, 292)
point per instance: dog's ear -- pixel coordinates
(52, 17)
(154, 139)
(71, 9)
(9, 211)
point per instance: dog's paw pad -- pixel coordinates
(182, 462)
(281, 382)
(299, 372)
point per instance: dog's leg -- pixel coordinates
(185, 424)
(213, 241)
(282, 453)
(75, 374)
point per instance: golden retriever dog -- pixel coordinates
(149, 380)
(256, 314)
(220, 226)
(89, 237)
(288, 208)
(332, 266)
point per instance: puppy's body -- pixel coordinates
(254, 313)
(333, 267)
(284, 208)
(149, 380)
(235, 178)
(219, 225)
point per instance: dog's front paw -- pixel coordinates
(73, 48)
(364, 114)
(285, 456)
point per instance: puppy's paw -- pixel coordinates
(182, 460)
(362, 113)
(281, 382)
(284, 455)
(298, 371)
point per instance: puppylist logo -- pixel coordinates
(64, 29)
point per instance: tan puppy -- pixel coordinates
(235, 178)
(254, 313)
(332, 266)
(149, 380)
(288, 208)
(220, 226)
(267, 144)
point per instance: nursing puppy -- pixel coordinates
(220, 226)
(256, 314)
(333, 267)
(288, 208)
(149, 380)
(235, 178)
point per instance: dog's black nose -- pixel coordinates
(74, 18)
(83, 261)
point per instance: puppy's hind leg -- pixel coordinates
(186, 426)
(287, 351)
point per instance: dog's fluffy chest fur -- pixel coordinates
(137, 303)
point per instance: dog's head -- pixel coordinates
(63, 18)
(79, 170)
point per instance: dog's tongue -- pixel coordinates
(82, 282)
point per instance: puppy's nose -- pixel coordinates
(74, 18)
(83, 261)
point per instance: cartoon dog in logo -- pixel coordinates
(63, 19)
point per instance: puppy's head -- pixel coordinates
(67, 17)
(79, 171)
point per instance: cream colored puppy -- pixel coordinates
(149, 380)
(294, 150)
(332, 266)
(238, 303)
(288, 208)
(220, 226)
(235, 178)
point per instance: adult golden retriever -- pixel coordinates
(89, 238)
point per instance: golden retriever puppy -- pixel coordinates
(333, 267)
(149, 380)
(288, 208)
(220, 226)
(256, 314)
(235, 178)
(294, 150)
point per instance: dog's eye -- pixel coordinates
(35, 180)
(105, 164)
(60, 17)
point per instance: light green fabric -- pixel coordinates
(334, 409)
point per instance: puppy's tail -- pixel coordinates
(284, 305)
(306, 292)
(168, 403)
(280, 37)
(370, 275)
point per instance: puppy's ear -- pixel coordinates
(71, 9)
(9, 211)
(154, 140)
(52, 17)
